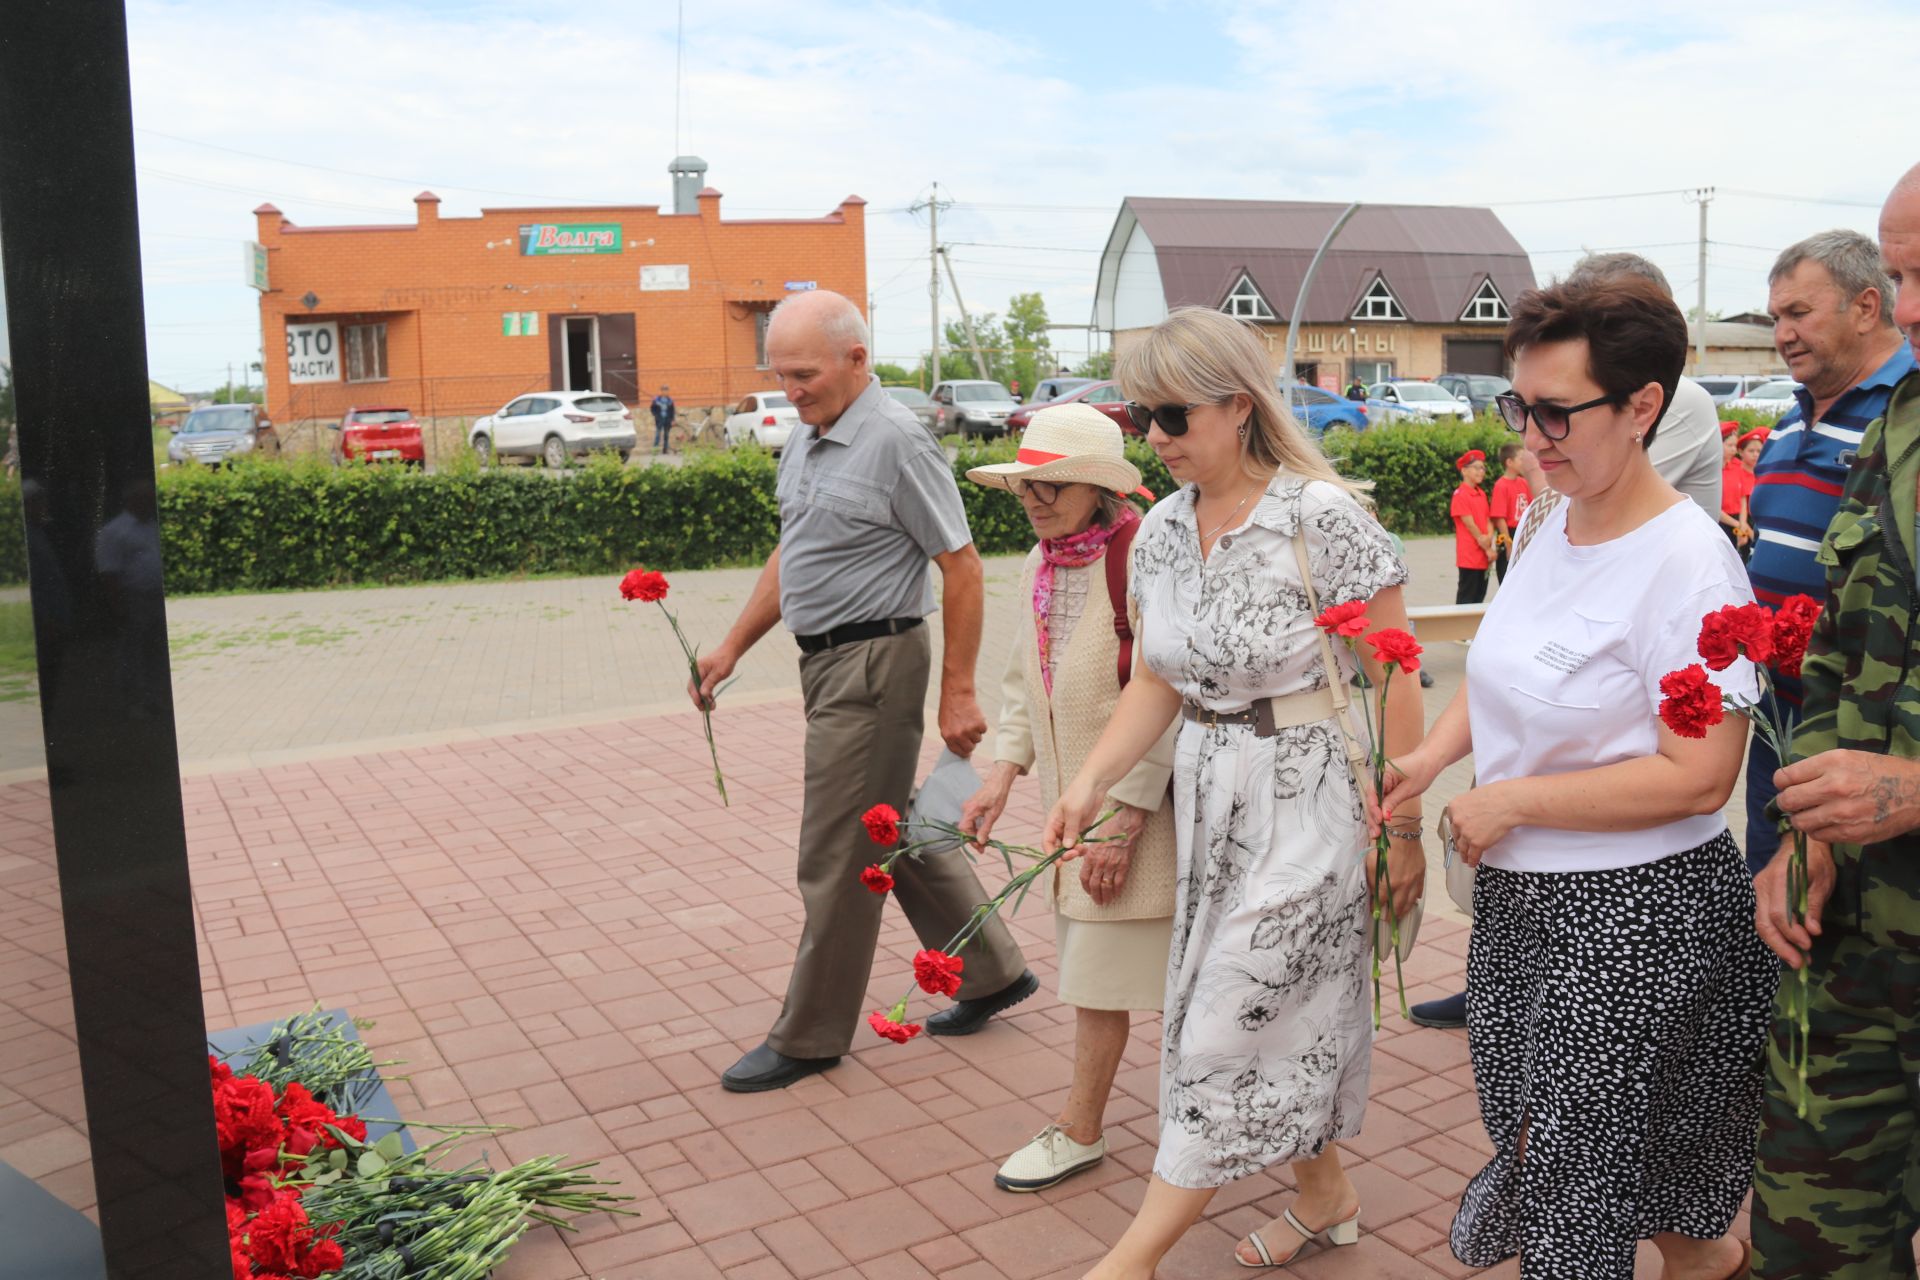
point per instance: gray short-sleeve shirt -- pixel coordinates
(863, 508)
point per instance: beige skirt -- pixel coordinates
(1113, 964)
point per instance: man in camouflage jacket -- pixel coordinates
(1837, 1192)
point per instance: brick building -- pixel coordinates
(1404, 291)
(452, 317)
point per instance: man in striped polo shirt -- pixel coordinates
(1832, 309)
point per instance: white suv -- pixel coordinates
(554, 426)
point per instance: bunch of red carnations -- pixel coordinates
(1395, 650)
(263, 1137)
(1773, 640)
(937, 971)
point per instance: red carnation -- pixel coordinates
(307, 1119)
(1692, 702)
(1792, 629)
(644, 584)
(1393, 647)
(897, 1032)
(882, 823)
(875, 879)
(1344, 619)
(244, 1122)
(937, 972)
(1717, 644)
(279, 1235)
(1753, 628)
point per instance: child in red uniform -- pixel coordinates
(1472, 528)
(1736, 487)
(1510, 498)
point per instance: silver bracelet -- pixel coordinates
(1403, 833)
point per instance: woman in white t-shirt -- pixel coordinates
(1617, 994)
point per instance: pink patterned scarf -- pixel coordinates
(1081, 549)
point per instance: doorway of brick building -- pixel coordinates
(580, 353)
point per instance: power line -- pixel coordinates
(1775, 195)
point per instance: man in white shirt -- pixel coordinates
(1686, 448)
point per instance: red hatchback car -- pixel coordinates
(380, 435)
(1104, 396)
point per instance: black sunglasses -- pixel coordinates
(1554, 420)
(1171, 417)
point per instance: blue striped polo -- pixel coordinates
(1797, 487)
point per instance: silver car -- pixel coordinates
(221, 431)
(919, 402)
(972, 408)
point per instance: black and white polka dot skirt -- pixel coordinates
(1617, 1020)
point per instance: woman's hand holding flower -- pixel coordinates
(1104, 873)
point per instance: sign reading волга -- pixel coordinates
(313, 351)
(541, 239)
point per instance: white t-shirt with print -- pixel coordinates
(1564, 672)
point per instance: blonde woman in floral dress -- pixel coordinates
(1268, 1015)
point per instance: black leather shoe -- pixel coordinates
(968, 1016)
(1448, 1014)
(767, 1068)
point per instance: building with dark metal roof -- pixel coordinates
(1406, 290)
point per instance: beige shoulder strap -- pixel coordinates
(1356, 750)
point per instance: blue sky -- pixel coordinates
(1038, 117)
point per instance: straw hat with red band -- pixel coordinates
(1467, 459)
(1067, 444)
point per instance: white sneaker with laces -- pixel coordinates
(1051, 1158)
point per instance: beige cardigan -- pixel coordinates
(1053, 737)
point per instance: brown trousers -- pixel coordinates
(865, 706)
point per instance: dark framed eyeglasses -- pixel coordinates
(1554, 420)
(1045, 492)
(1171, 417)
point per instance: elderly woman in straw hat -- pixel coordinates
(1113, 912)
(1267, 1029)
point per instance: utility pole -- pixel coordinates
(1702, 196)
(979, 362)
(933, 204)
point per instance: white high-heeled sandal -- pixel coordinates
(1339, 1233)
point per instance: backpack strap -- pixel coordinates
(1119, 548)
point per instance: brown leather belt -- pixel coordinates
(1268, 715)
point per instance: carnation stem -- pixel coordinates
(706, 713)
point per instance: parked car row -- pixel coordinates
(1410, 400)
(217, 432)
(1724, 387)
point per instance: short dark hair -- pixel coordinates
(1634, 333)
(1510, 449)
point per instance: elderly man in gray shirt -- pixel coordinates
(866, 500)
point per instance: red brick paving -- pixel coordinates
(563, 931)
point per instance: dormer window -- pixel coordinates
(1487, 304)
(1378, 303)
(1246, 302)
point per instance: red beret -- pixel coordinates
(1758, 433)
(1468, 458)
(1728, 428)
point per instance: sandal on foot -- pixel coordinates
(1339, 1233)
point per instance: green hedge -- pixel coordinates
(259, 526)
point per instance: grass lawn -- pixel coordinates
(17, 676)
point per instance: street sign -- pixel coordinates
(256, 265)
(548, 239)
(802, 286)
(313, 351)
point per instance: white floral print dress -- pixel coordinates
(1268, 1026)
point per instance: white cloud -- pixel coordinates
(795, 108)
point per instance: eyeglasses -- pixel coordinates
(1045, 492)
(1554, 420)
(1171, 417)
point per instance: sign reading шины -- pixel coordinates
(541, 239)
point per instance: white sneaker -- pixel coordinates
(1051, 1158)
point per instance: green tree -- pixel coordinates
(231, 394)
(1031, 356)
(1098, 365)
(6, 397)
(896, 375)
